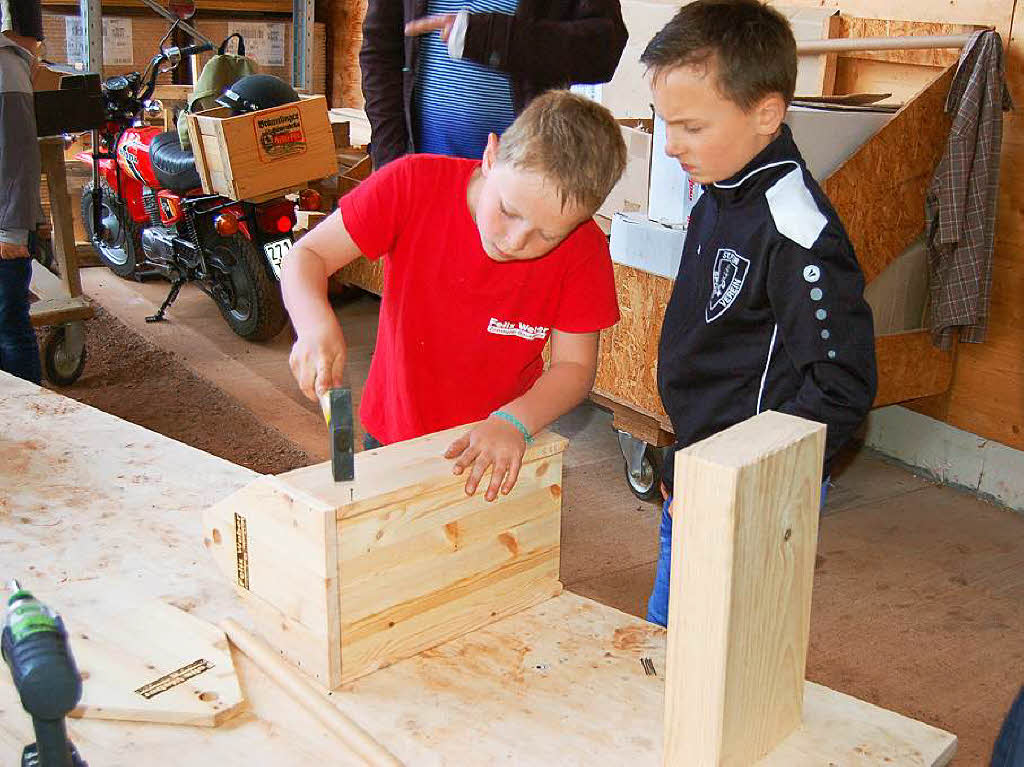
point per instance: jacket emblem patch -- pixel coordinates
(728, 275)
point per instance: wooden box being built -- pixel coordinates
(345, 578)
(262, 154)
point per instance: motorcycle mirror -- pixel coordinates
(183, 9)
(171, 60)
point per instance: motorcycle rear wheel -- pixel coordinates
(120, 247)
(254, 308)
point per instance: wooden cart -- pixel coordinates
(60, 302)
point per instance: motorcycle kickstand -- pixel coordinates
(175, 288)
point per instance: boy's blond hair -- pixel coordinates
(572, 141)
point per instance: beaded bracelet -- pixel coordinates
(515, 422)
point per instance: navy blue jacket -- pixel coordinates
(768, 309)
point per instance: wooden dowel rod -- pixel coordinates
(913, 42)
(360, 742)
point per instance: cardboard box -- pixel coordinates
(262, 154)
(673, 193)
(343, 578)
(643, 244)
(828, 137)
(629, 195)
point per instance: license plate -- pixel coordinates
(275, 252)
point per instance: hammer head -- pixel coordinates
(339, 423)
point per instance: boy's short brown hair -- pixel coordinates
(572, 141)
(751, 43)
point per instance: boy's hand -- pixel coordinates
(442, 24)
(317, 361)
(494, 442)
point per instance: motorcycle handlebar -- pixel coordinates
(192, 50)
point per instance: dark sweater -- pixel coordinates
(547, 44)
(767, 312)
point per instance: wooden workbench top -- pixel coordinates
(85, 496)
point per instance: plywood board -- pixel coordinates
(538, 688)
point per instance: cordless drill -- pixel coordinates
(35, 646)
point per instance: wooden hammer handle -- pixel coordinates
(319, 705)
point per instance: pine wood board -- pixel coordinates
(146, 661)
(416, 469)
(742, 573)
(88, 497)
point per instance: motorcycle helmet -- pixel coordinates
(255, 92)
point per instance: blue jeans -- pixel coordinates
(657, 605)
(19, 351)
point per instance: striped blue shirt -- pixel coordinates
(459, 102)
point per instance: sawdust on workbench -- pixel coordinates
(129, 377)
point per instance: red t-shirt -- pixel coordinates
(460, 335)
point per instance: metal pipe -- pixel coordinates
(912, 42)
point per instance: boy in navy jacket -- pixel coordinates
(768, 311)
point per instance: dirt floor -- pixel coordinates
(918, 589)
(131, 378)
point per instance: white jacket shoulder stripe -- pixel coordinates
(794, 210)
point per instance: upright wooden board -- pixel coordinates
(743, 550)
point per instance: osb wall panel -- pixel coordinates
(883, 218)
(912, 367)
(987, 393)
(628, 358)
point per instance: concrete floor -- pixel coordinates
(918, 589)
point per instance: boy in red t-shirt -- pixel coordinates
(482, 261)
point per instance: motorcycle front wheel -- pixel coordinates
(119, 246)
(249, 298)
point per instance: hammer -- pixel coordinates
(337, 407)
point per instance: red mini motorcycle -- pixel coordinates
(146, 214)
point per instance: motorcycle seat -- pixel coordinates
(174, 167)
